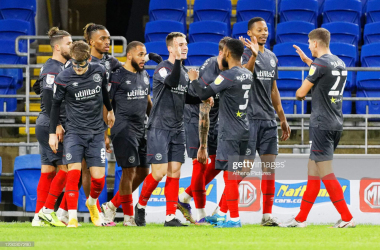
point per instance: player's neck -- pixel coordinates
(172, 59)
(96, 54)
(323, 52)
(58, 57)
(261, 48)
(128, 66)
(232, 64)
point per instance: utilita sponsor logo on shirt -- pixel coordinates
(180, 89)
(265, 75)
(137, 94)
(87, 93)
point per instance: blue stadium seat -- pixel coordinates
(368, 85)
(373, 11)
(102, 197)
(295, 10)
(8, 54)
(11, 29)
(287, 83)
(240, 29)
(293, 31)
(207, 31)
(175, 10)
(27, 172)
(346, 52)
(266, 9)
(159, 48)
(342, 32)
(158, 30)
(200, 52)
(7, 104)
(21, 10)
(342, 11)
(287, 56)
(213, 10)
(371, 33)
(370, 55)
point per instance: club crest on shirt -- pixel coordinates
(49, 80)
(107, 65)
(272, 63)
(146, 80)
(219, 80)
(163, 73)
(312, 70)
(97, 78)
(186, 77)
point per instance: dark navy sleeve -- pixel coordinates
(222, 82)
(246, 55)
(59, 95)
(113, 84)
(115, 64)
(316, 71)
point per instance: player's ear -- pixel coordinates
(249, 33)
(57, 47)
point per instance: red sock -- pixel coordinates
(308, 198)
(116, 200)
(72, 192)
(127, 204)
(336, 196)
(198, 184)
(268, 189)
(211, 172)
(96, 187)
(63, 204)
(171, 194)
(231, 193)
(223, 201)
(43, 189)
(149, 186)
(56, 188)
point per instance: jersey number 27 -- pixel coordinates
(334, 91)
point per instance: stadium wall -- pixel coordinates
(358, 174)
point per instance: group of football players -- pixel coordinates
(226, 108)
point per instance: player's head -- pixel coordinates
(222, 43)
(98, 37)
(232, 51)
(60, 42)
(80, 53)
(136, 52)
(319, 39)
(257, 27)
(181, 39)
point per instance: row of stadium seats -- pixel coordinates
(16, 19)
(27, 171)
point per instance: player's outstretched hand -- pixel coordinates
(176, 49)
(53, 142)
(193, 74)
(253, 46)
(60, 133)
(155, 57)
(285, 131)
(302, 55)
(110, 118)
(202, 155)
(210, 101)
(108, 142)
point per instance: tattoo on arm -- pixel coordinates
(204, 123)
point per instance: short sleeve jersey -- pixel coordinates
(84, 99)
(168, 102)
(208, 72)
(234, 86)
(265, 73)
(46, 79)
(328, 74)
(129, 93)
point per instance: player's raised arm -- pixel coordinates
(254, 47)
(303, 56)
(172, 80)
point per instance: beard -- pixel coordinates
(136, 66)
(66, 55)
(261, 44)
(224, 63)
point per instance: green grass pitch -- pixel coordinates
(155, 236)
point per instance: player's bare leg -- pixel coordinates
(268, 189)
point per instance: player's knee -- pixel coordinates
(47, 169)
